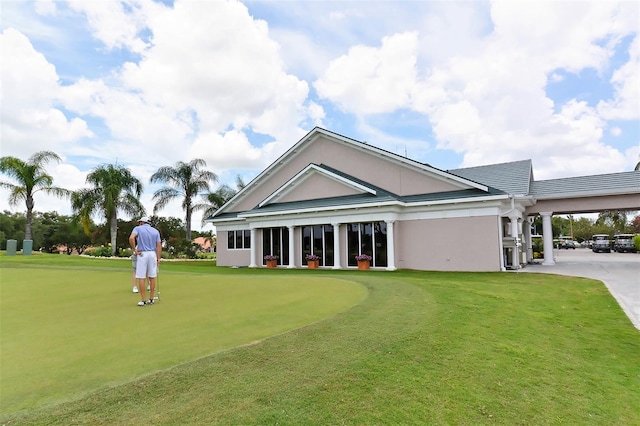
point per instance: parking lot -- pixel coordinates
(620, 272)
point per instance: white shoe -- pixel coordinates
(148, 288)
(141, 303)
(135, 289)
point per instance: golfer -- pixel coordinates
(148, 252)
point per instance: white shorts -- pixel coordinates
(147, 265)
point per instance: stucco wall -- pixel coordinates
(317, 186)
(226, 257)
(454, 244)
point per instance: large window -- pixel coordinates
(239, 239)
(275, 241)
(318, 240)
(367, 238)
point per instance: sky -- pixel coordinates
(145, 84)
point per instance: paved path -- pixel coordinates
(620, 272)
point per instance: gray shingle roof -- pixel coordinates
(621, 183)
(514, 177)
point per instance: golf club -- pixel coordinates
(157, 296)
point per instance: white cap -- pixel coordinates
(144, 219)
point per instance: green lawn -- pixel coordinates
(420, 348)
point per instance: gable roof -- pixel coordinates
(459, 181)
(514, 177)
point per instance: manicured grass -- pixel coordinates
(67, 332)
(422, 348)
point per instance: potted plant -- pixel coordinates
(272, 260)
(313, 261)
(364, 261)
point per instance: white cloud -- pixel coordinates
(626, 80)
(212, 60)
(117, 24)
(227, 151)
(372, 80)
(30, 92)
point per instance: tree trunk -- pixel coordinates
(113, 229)
(29, 221)
(188, 223)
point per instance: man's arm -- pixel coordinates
(159, 250)
(132, 242)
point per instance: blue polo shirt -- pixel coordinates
(147, 237)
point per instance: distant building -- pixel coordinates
(206, 243)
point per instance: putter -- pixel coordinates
(157, 296)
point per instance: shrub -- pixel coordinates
(101, 251)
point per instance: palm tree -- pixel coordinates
(113, 189)
(215, 200)
(31, 178)
(185, 180)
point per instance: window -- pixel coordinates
(367, 238)
(239, 239)
(318, 240)
(275, 241)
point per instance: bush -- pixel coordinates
(101, 251)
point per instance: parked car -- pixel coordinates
(624, 243)
(569, 244)
(600, 243)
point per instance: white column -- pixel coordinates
(515, 253)
(547, 238)
(291, 254)
(391, 254)
(336, 246)
(527, 237)
(252, 262)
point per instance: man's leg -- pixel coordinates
(141, 273)
(152, 282)
(142, 289)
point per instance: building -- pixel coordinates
(337, 198)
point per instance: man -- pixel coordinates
(148, 252)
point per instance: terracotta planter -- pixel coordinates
(313, 264)
(272, 263)
(364, 264)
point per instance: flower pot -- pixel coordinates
(363, 264)
(272, 263)
(313, 264)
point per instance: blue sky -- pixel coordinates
(453, 84)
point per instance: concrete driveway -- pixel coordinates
(620, 272)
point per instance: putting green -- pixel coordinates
(66, 332)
